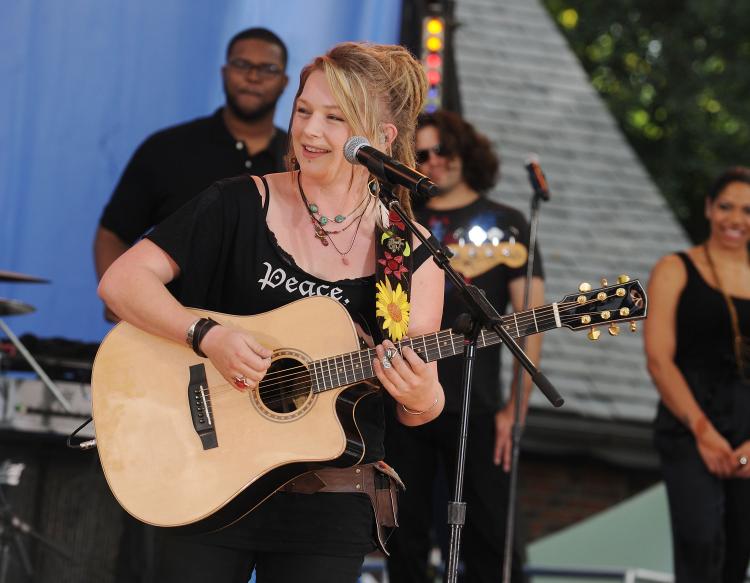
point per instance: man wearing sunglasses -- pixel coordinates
(484, 234)
(175, 164)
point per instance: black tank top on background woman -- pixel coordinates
(704, 354)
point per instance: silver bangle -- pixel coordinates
(190, 333)
(411, 412)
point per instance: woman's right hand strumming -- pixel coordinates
(237, 355)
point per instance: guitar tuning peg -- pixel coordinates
(584, 287)
(613, 329)
(594, 334)
(634, 326)
(605, 283)
(624, 278)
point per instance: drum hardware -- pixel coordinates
(12, 308)
(13, 277)
(12, 527)
(46, 412)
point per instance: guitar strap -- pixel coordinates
(393, 269)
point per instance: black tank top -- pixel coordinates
(705, 356)
(704, 329)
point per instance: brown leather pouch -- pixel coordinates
(378, 480)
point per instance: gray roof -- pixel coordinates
(523, 86)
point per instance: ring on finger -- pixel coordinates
(743, 460)
(241, 382)
(386, 361)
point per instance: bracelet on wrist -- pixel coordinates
(200, 329)
(191, 333)
(413, 412)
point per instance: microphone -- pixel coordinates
(536, 177)
(358, 150)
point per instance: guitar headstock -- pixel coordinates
(623, 302)
(472, 260)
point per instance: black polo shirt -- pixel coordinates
(175, 164)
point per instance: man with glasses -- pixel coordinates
(175, 164)
(490, 241)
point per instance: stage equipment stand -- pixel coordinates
(482, 315)
(541, 193)
(11, 527)
(37, 369)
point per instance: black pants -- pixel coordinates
(187, 562)
(710, 522)
(415, 453)
(157, 555)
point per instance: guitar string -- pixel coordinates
(431, 342)
(303, 373)
(303, 380)
(304, 384)
(523, 320)
(540, 319)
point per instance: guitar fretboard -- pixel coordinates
(353, 367)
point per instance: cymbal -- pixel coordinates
(14, 307)
(12, 276)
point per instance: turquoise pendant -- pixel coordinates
(340, 218)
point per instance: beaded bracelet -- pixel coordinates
(411, 412)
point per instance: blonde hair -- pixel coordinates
(374, 84)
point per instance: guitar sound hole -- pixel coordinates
(286, 386)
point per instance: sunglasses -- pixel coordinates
(423, 155)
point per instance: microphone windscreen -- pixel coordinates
(352, 145)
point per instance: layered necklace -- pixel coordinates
(319, 221)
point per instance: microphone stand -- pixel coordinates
(483, 315)
(539, 195)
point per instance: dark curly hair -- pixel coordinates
(481, 166)
(732, 174)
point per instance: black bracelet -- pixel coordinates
(201, 328)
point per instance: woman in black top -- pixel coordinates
(697, 346)
(251, 244)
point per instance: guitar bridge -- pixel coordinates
(199, 400)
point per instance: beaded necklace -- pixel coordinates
(323, 235)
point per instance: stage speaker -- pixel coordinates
(59, 513)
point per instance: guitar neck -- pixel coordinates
(353, 367)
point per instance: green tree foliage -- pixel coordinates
(676, 75)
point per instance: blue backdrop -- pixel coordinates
(84, 82)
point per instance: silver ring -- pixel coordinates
(743, 460)
(386, 362)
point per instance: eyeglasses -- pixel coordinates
(422, 156)
(264, 70)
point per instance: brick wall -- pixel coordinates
(555, 492)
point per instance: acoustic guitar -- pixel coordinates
(182, 448)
